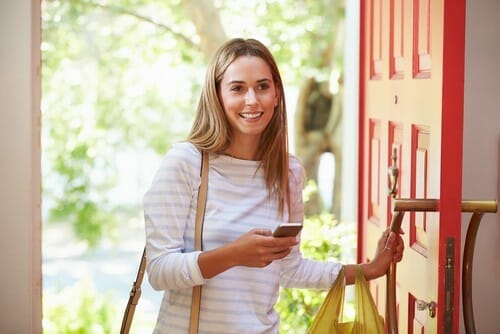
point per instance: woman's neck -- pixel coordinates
(243, 150)
(242, 155)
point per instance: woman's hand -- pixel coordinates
(256, 248)
(390, 249)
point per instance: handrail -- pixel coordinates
(413, 205)
(478, 208)
(400, 207)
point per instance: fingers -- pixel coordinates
(389, 243)
(398, 256)
(388, 231)
(263, 231)
(281, 253)
(269, 255)
(398, 249)
(393, 244)
(262, 248)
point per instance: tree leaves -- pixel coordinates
(126, 75)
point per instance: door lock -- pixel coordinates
(431, 306)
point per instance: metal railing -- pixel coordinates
(478, 208)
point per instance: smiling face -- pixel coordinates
(249, 96)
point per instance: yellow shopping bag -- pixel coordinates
(328, 320)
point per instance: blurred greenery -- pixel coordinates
(323, 238)
(79, 310)
(126, 75)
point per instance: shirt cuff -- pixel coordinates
(196, 272)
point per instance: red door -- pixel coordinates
(411, 108)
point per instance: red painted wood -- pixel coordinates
(361, 123)
(396, 40)
(375, 39)
(419, 186)
(452, 137)
(421, 118)
(421, 42)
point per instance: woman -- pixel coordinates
(254, 185)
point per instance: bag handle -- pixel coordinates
(135, 292)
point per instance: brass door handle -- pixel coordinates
(477, 208)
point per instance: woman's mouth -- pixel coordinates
(251, 115)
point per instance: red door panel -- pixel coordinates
(411, 94)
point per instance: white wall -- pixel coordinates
(20, 285)
(481, 165)
(350, 119)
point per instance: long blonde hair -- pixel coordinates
(211, 130)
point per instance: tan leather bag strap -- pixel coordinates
(198, 245)
(135, 292)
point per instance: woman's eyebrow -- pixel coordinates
(242, 82)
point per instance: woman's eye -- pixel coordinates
(236, 89)
(263, 86)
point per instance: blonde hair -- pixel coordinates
(211, 130)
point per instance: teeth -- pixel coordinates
(251, 115)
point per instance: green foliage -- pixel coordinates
(302, 36)
(80, 200)
(323, 239)
(126, 75)
(104, 92)
(79, 310)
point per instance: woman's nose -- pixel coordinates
(250, 97)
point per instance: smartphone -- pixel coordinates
(287, 230)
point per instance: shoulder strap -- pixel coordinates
(202, 202)
(198, 245)
(135, 292)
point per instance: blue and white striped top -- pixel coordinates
(241, 299)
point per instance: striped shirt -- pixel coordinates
(241, 299)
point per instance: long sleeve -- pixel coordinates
(169, 208)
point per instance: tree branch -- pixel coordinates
(123, 11)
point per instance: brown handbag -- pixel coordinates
(135, 292)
